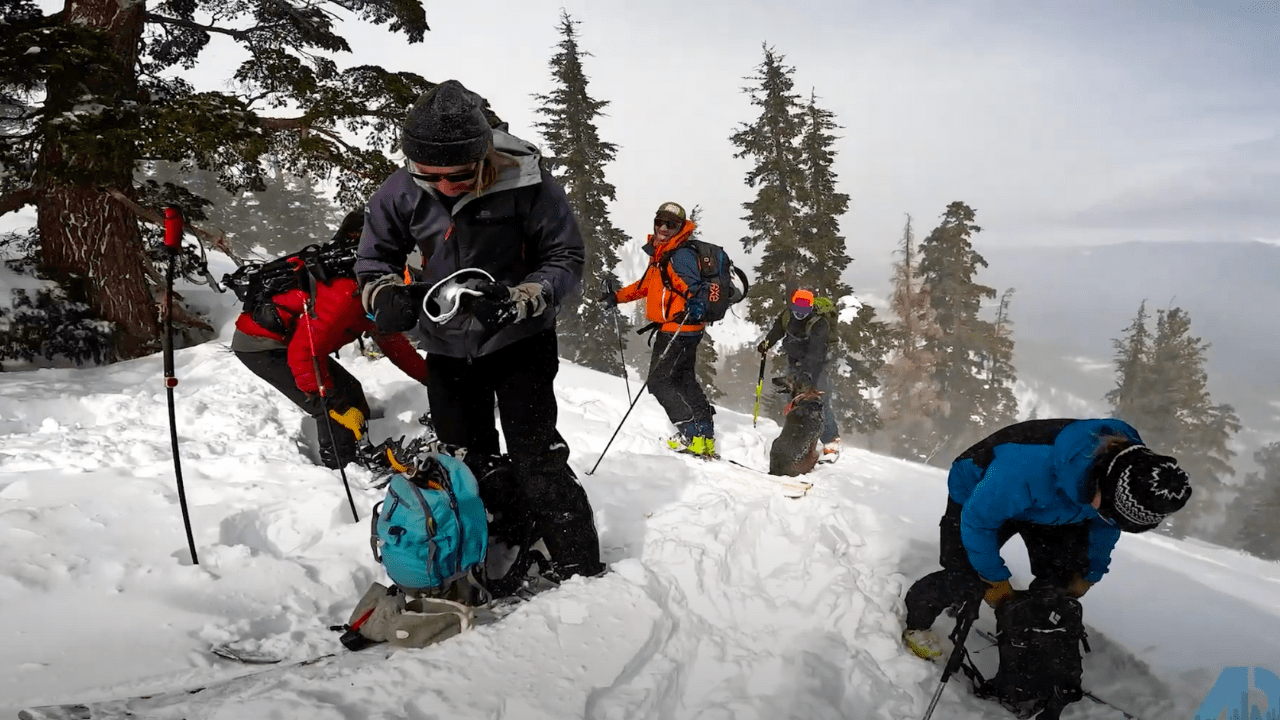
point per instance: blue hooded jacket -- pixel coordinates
(1036, 471)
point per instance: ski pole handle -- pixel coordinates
(172, 229)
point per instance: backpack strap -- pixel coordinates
(746, 285)
(664, 265)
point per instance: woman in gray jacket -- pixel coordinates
(472, 197)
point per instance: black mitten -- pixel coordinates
(395, 307)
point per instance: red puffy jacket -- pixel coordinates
(339, 320)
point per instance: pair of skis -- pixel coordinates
(790, 487)
(155, 704)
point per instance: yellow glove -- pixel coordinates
(1078, 586)
(998, 593)
(351, 419)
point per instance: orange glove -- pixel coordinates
(998, 593)
(1078, 586)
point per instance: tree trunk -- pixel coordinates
(86, 236)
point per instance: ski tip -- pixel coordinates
(250, 657)
(57, 712)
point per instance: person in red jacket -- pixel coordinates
(289, 360)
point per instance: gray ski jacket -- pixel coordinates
(519, 230)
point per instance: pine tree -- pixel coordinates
(948, 264)
(909, 396)
(1194, 430)
(854, 371)
(577, 158)
(1133, 399)
(862, 339)
(1001, 376)
(821, 207)
(97, 95)
(779, 179)
(1162, 391)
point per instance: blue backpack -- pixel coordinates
(431, 529)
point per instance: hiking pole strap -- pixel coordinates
(639, 394)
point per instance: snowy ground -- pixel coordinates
(726, 600)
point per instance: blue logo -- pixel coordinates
(1236, 696)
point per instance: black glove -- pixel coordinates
(394, 306)
(763, 347)
(695, 310)
(609, 296)
(494, 308)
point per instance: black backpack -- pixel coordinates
(1039, 636)
(256, 283)
(717, 271)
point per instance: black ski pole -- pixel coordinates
(309, 313)
(611, 286)
(639, 394)
(172, 246)
(617, 319)
(964, 621)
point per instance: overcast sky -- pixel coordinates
(1089, 121)
(1085, 122)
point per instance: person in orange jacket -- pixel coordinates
(676, 302)
(288, 353)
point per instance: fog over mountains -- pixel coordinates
(1072, 302)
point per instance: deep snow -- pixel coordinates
(725, 600)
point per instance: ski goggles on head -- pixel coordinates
(444, 299)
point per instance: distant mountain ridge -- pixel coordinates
(1086, 296)
(1071, 302)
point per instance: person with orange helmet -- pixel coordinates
(807, 338)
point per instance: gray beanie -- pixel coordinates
(446, 127)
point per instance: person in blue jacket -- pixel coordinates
(1068, 487)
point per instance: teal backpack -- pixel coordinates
(431, 529)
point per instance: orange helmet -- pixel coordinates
(801, 303)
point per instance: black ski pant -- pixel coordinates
(273, 366)
(520, 377)
(673, 380)
(830, 429)
(1056, 553)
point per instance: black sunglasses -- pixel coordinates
(668, 224)
(453, 177)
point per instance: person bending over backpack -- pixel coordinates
(294, 342)
(805, 337)
(1068, 487)
(473, 198)
(675, 302)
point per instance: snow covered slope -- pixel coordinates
(726, 599)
